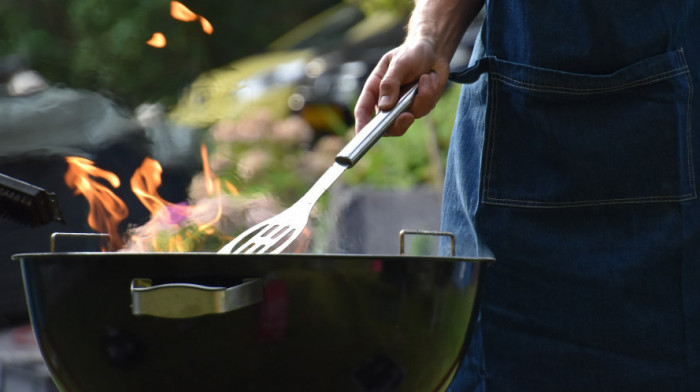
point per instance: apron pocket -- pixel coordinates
(558, 139)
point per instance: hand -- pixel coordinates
(415, 59)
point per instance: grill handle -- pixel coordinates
(404, 233)
(185, 300)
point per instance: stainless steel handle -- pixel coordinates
(375, 129)
(185, 300)
(57, 235)
(403, 234)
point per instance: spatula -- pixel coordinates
(275, 234)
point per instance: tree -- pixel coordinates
(101, 45)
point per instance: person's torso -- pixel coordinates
(583, 36)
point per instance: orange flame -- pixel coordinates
(180, 12)
(157, 40)
(210, 180)
(145, 182)
(107, 210)
(172, 227)
(206, 26)
(213, 185)
(231, 188)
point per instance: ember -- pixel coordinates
(179, 11)
(206, 26)
(157, 40)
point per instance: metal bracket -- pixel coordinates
(57, 235)
(403, 233)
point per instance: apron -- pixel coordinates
(573, 164)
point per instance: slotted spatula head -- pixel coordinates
(271, 236)
(275, 234)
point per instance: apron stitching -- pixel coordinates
(689, 125)
(495, 77)
(490, 136)
(562, 204)
(579, 91)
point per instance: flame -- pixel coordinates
(180, 12)
(206, 26)
(231, 188)
(213, 186)
(144, 183)
(173, 227)
(210, 181)
(107, 210)
(157, 40)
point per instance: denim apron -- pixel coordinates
(573, 164)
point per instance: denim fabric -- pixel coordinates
(573, 163)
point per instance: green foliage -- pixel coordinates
(101, 45)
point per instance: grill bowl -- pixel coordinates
(322, 322)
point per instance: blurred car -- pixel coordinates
(317, 70)
(334, 79)
(270, 80)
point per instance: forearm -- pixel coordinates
(442, 22)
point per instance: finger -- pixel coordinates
(369, 96)
(397, 74)
(401, 124)
(388, 92)
(429, 92)
(365, 108)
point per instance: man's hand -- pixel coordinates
(414, 60)
(434, 31)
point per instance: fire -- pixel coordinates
(215, 213)
(145, 182)
(206, 26)
(180, 12)
(107, 210)
(213, 186)
(157, 40)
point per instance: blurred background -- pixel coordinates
(242, 105)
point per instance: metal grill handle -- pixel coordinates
(185, 300)
(403, 233)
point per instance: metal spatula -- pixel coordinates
(275, 234)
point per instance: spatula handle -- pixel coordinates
(375, 129)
